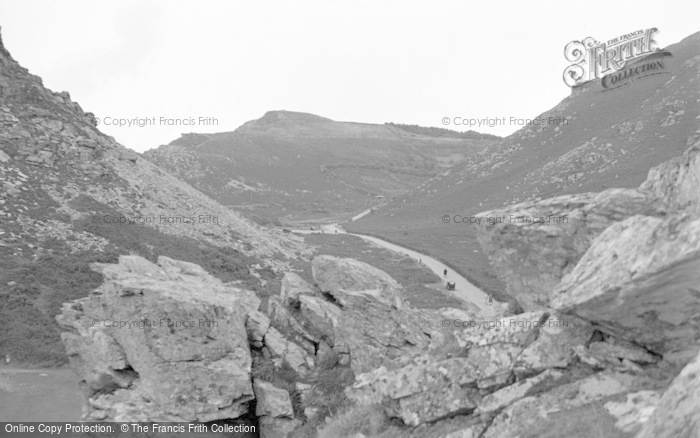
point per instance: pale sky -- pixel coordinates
(370, 61)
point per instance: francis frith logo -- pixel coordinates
(618, 61)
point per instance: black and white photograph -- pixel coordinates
(361, 219)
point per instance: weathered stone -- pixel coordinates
(293, 286)
(676, 181)
(271, 401)
(256, 325)
(180, 340)
(517, 329)
(619, 352)
(533, 256)
(678, 411)
(640, 281)
(319, 318)
(512, 393)
(556, 340)
(573, 409)
(284, 350)
(335, 275)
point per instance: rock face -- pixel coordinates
(592, 357)
(354, 313)
(537, 243)
(162, 342)
(640, 280)
(678, 412)
(346, 279)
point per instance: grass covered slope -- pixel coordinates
(609, 139)
(70, 196)
(300, 166)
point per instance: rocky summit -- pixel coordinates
(605, 343)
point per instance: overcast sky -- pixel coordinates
(372, 61)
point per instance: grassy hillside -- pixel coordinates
(70, 196)
(597, 139)
(295, 166)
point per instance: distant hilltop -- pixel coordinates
(442, 132)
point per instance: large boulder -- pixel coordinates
(345, 278)
(535, 244)
(640, 280)
(162, 342)
(676, 181)
(356, 312)
(271, 401)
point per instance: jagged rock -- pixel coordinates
(610, 351)
(676, 181)
(171, 336)
(257, 325)
(571, 410)
(533, 256)
(319, 318)
(512, 393)
(678, 412)
(293, 286)
(421, 392)
(342, 277)
(375, 333)
(284, 350)
(518, 329)
(271, 401)
(364, 328)
(555, 344)
(640, 280)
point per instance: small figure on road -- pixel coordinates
(444, 272)
(420, 260)
(7, 359)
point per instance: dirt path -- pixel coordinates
(39, 395)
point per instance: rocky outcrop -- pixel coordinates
(639, 280)
(535, 244)
(348, 280)
(163, 342)
(173, 343)
(355, 312)
(573, 409)
(491, 371)
(344, 341)
(676, 181)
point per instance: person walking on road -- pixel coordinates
(445, 272)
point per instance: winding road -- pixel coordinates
(463, 288)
